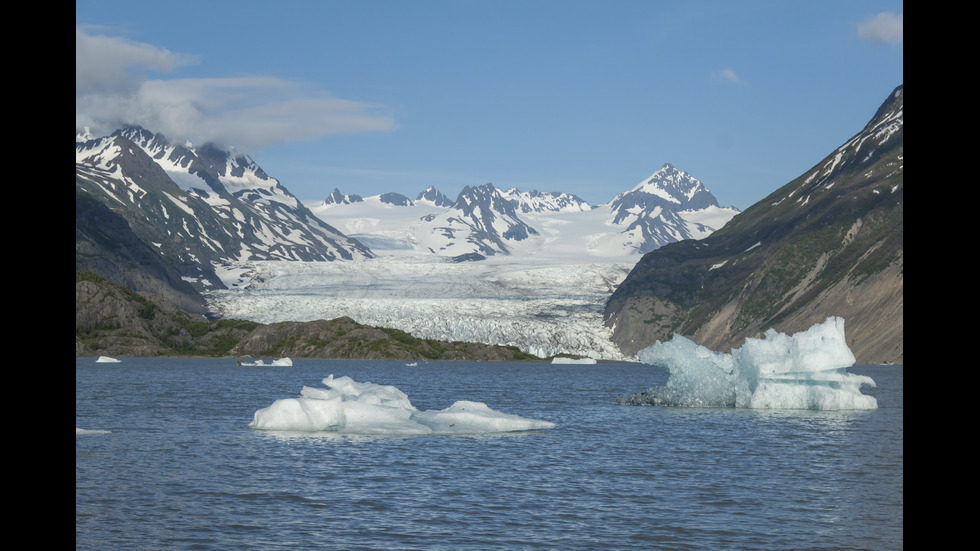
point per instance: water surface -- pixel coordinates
(179, 469)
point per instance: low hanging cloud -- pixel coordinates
(112, 89)
(886, 27)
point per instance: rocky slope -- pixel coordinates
(829, 243)
(190, 207)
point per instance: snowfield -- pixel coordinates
(542, 306)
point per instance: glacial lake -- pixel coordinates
(164, 459)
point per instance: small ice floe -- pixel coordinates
(280, 362)
(87, 432)
(574, 361)
(106, 360)
(350, 407)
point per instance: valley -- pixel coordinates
(546, 295)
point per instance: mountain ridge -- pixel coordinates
(668, 206)
(830, 242)
(193, 208)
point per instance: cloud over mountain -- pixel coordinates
(113, 88)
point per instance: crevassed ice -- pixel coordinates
(364, 408)
(806, 370)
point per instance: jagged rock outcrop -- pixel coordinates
(337, 198)
(434, 197)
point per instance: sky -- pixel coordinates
(586, 97)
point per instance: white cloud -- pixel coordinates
(727, 74)
(112, 89)
(885, 27)
(115, 66)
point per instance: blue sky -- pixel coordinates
(586, 97)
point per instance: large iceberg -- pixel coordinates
(350, 407)
(806, 370)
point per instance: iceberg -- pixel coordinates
(364, 408)
(580, 361)
(106, 360)
(806, 370)
(259, 363)
(87, 432)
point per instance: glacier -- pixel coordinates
(806, 370)
(350, 407)
(543, 293)
(542, 307)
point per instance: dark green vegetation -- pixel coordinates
(829, 243)
(115, 321)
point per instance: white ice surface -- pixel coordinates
(363, 408)
(542, 307)
(573, 361)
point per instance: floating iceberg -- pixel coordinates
(87, 432)
(804, 371)
(581, 361)
(259, 363)
(106, 360)
(351, 407)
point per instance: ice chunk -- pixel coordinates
(106, 360)
(87, 432)
(699, 377)
(351, 407)
(283, 362)
(581, 361)
(476, 418)
(804, 371)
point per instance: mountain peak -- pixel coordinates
(670, 188)
(434, 196)
(535, 201)
(222, 202)
(337, 198)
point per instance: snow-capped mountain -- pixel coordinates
(661, 208)
(337, 198)
(481, 221)
(434, 197)
(201, 205)
(670, 205)
(544, 202)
